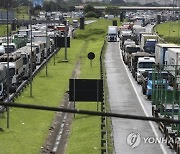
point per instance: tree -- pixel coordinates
(112, 10)
(89, 8)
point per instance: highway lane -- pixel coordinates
(125, 97)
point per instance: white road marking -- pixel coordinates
(146, 113)
(58, 138)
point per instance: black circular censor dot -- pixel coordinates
(91, 55)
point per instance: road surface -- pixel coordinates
(125, 97)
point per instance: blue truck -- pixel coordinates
(150, 81)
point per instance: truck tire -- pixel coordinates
(149, 97)
(143, 90)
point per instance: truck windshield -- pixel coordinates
(25, 60)
(150, 49)
(10, 49)
(156, 76)
(146, 64)
(11, 72)
(132, 50)
(112, 34)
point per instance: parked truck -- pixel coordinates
(39, 51)
(134, 60)
(137, 29)
(144, 64)
(172, 64)
(26, 53)
(161, 51)
(15, 69)
(128, 50)
(148, 43)
(112, 34)
(75, 23)
(3, 82)
(46, 40)
(149, 80)
(9, 48)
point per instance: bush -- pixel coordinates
(172, 39)
(91, 14)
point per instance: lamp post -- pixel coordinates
(65, 52)
(46, 48)
(54, 44)
(8, 116)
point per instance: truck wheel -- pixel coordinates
(149, 97)
(143, 90)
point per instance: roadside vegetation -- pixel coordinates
(169, 31)
(85, 130)
(21, 12)
(29, 128)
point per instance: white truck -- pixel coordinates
(26, 53)
(172, 62)
(25, 32)
(161, 51)
(148, 43)
(144, 64)
(75, 23)
(3, 82)
(2, 50)
(15, 69)
(46, 40)
(112, 34)
(39, 51)
(137, 29)
(9, 48)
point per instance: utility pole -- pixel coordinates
(8, 84)
(65, 52)
(54, 43)
(46, 47)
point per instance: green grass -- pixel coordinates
(22, 12)
(29, 128)
(169, 31)
(85, 130)
(3, 30)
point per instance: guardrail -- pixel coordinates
(104, 132)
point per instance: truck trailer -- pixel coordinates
(148, 43)
(15, 69)
(3, 82)
(161, 51)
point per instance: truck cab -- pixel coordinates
(149, 46)
(112, 34)
(144, 64)
(129, 49)
(152, 80)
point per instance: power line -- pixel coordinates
(93, 113)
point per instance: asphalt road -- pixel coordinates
(125, 97)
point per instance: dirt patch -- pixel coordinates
(60, 127)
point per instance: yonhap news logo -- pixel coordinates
(134, 139)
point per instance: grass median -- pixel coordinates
(169, 31)
(85, 130)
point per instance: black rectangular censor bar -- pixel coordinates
(90, 90)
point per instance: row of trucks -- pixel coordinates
(21, 59)
(156, 67)
(140, 52)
